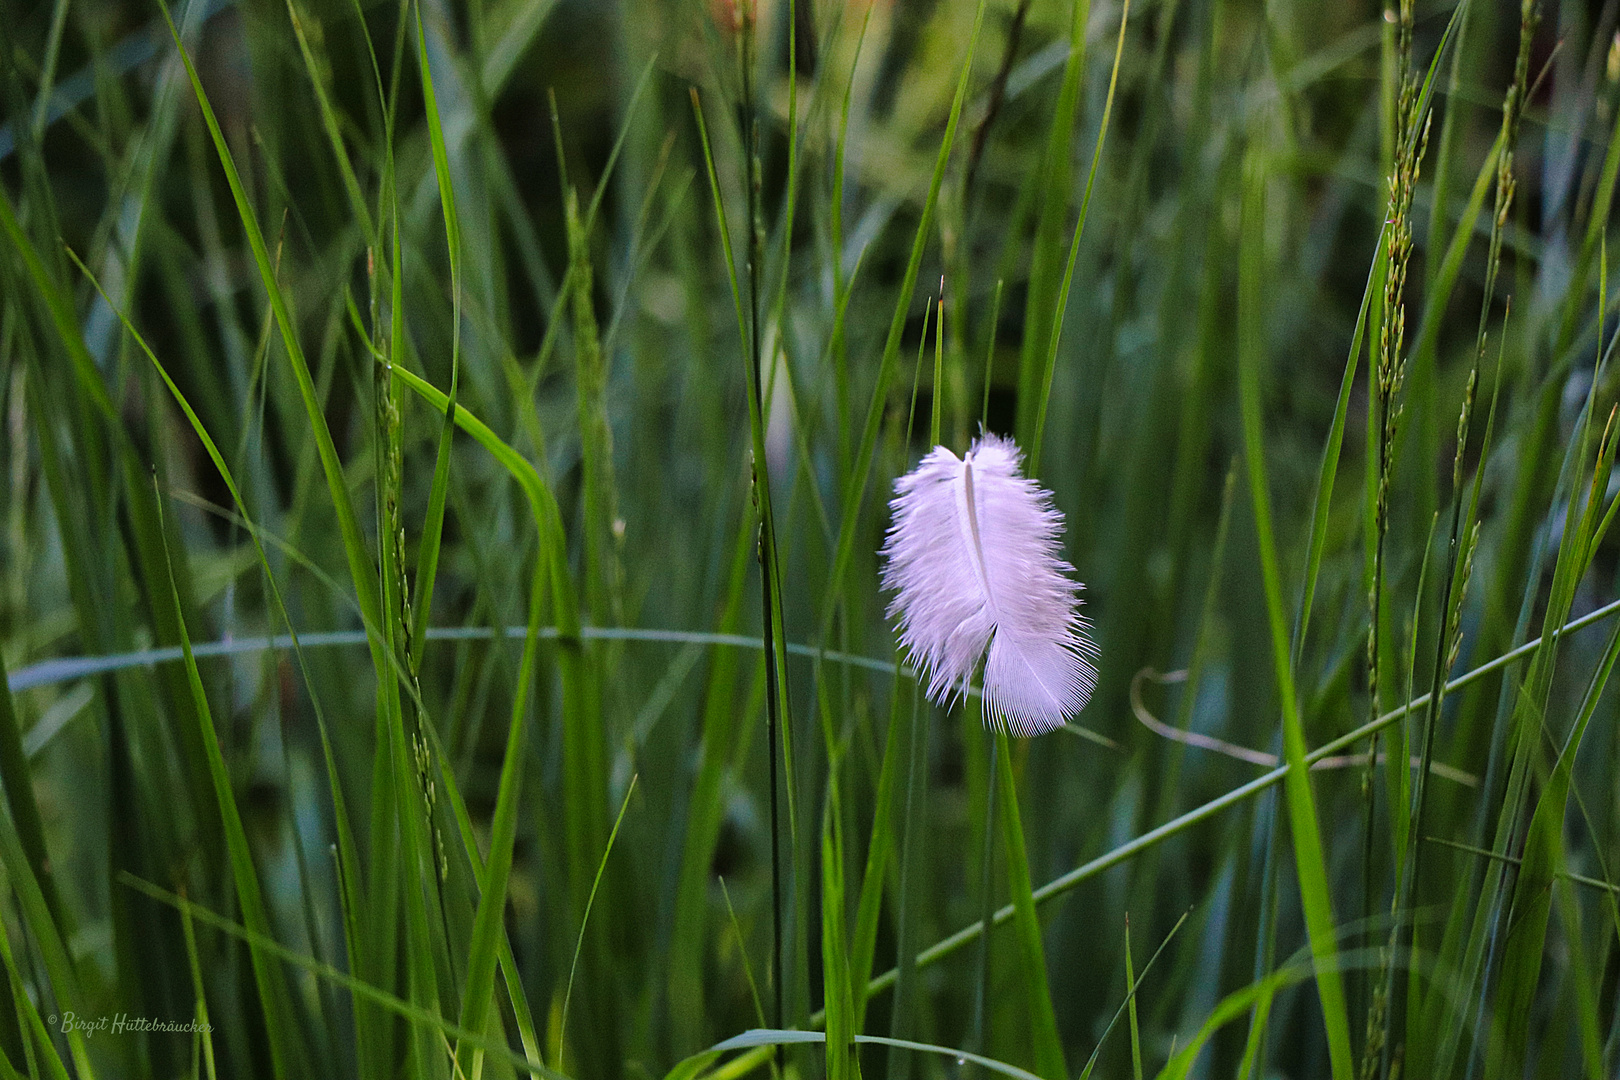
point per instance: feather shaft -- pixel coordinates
(973, 556)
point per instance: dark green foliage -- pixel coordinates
(446, 448)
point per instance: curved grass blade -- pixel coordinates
(777, 1037)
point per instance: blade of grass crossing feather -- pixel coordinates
(1050, 361)
(427, 559)
(1047, 1046)
(267, 975)
(1040, 308)
(1308, 852)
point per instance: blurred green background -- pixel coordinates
(1300, 309)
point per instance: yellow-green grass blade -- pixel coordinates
(879, 849)
(1133, 983)
(1136, 1034)
(1322, 499)
(200, 991)
(1257, 996)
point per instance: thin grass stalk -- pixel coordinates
(1385, 384)
(1459, 549)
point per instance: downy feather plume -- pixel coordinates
(973, 558)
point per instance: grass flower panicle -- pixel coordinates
(972, 556)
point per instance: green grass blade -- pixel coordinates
(399, 1007)
(856, 481)
(285, 1051)
(1047, 1045)
(1040, 308)
(1309, 854)
(1322, 499)
(579, 943)
(361, 567)
(427, 558)
(1033, 438)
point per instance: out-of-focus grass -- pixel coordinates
(418, 322)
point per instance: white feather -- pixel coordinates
(973, 558)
